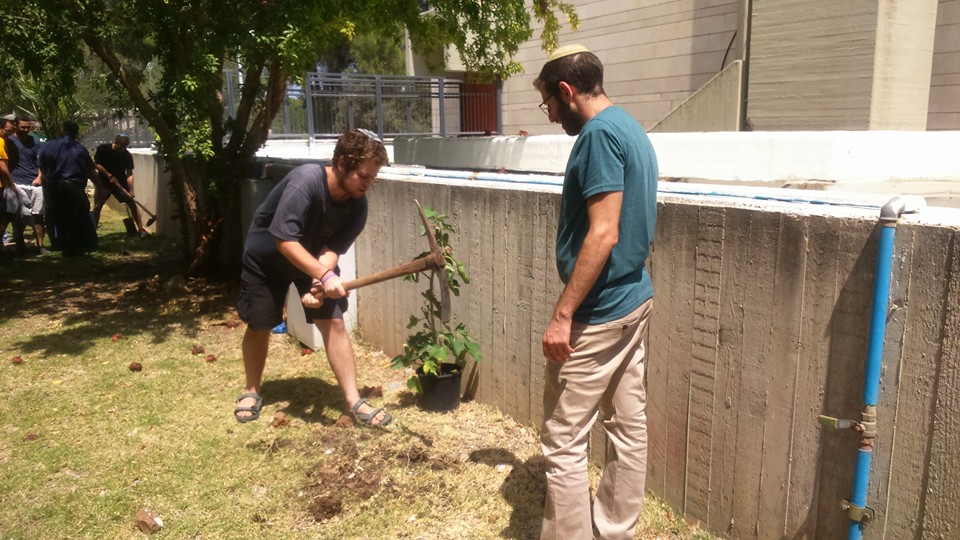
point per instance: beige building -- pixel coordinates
(784, 65)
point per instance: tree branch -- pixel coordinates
(276, 90)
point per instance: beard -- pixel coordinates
(571, 122)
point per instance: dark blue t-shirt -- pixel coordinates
(65, 159)
(300, 209)
(28, 166)
(612, 153)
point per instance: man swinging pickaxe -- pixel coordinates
(435, 260)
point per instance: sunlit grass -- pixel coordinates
(85, 443)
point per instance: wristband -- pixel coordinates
(324, 280)
(325, 272)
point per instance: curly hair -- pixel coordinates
(357, 146)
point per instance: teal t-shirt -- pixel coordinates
(612, 153)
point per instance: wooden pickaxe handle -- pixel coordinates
(427, 262)
(435, 260)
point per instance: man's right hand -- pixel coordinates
(333, 287)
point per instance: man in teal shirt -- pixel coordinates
(595, 342)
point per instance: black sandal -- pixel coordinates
(254, 409)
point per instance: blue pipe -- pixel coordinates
(889, 215)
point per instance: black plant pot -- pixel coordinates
(440, 392)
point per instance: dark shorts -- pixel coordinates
(118, 193)
(261, 302)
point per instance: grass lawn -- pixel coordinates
(85, 443)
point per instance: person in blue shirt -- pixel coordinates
(595, 342)
(66, 166)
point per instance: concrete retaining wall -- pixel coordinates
(759, 327)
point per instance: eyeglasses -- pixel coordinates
(544, 107)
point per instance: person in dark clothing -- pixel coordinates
(115, 171)
(297, 236)
(66, 166)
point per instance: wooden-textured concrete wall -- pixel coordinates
(759, 327)
(656, 53)
(811, 64)
(901, 72)
(714, 107)
(944, 110)
(506, 305)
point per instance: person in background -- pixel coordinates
(297, 236)
(66, 166)
(27, 176)
(14, 200)
(595, 342)
(115, 171)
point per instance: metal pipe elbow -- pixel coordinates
(892, 211)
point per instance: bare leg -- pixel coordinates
(256, 343)
(135, 212)
(38, 230)
(342, 362)
(98, 201)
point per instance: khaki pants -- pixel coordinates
(605, 375)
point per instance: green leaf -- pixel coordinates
(473, 348)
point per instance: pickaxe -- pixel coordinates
(153, 217)
(435, 260)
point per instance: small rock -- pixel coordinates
(211, 358)
(306, 351)
(345, 421)
(17, 360)
(232, 323)
(148, 521)
(280, 420)
(197, 349)
(135, 366)
(116, 337)
(371, 391)
(504, 467)
(175, 287)
(31, 437)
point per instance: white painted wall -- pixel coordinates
(883, 162)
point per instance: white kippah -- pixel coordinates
(566, 50)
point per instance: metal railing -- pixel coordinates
(104, 129)
(330, 103)
(398, 105)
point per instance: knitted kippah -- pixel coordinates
(566, 51)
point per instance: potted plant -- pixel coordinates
(438, 351)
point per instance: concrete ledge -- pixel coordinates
(831, 157)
